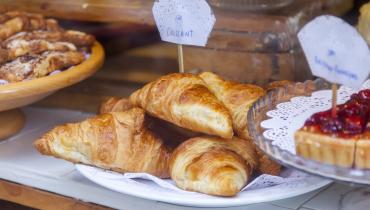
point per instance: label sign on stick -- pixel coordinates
(335, 51)
(187, 22)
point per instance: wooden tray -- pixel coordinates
(20, 94)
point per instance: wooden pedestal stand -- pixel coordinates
(11, 122)
(20, 94)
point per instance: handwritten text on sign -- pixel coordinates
(335, 51)
(187, 22)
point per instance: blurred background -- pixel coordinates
(253, 41)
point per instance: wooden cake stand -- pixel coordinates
(11, 122)
(16, 95)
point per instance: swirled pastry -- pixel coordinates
(114, 104)
(20, 47)
(35, 66)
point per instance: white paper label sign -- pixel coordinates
(187, 22)
(335, 51)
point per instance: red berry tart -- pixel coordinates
(341, 139)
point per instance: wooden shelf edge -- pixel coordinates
(40, 199)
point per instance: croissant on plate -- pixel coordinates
(170, 133)
(79, 39)
(184, 100)
(213, 165)
(238, 98)
(114, 104)
(117, 141)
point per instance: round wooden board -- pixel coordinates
(11, 122)
(23, 93)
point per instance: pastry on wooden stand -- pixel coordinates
(11, 122)
(37, 58)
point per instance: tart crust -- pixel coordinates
(362, 158)
(327, 149)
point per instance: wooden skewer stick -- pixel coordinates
(334, 89)
(180, 55)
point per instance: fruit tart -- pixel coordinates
(341, 138)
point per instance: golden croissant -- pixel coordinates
(170, 133)
(114, 104)
(184, 100)
(118, 141)
(238, 98)
(213, 165)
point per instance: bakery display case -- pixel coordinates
(95, 114)
(264, 41)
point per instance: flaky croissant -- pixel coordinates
(20, 47)
(118, 141)
(35, 66)
(213, 165)
(114, 104)
(170, 133)
(184, 100)
(238, 98)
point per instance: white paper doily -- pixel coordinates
(263, 189)
(288, 117)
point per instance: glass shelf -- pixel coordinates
(257, 114)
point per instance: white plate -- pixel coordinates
(149, 190)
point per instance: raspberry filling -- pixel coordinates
(352, 118)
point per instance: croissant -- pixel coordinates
(170, 133)
(118, 141)
(213, 165)
(238, 98)
(184, 100)
(114, 104)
